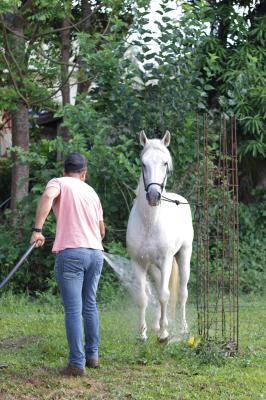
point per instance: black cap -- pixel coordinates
(75, 162)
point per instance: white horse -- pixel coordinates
(159, 236)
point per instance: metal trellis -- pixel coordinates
(217, 233)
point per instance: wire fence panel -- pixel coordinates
(217, 233)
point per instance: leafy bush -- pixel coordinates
(253, 245)
(189, 69)
(5, 181)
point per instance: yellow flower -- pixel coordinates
(191, 341)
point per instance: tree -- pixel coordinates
(232, 60)
(38, 62)
(22, 26)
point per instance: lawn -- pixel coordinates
(33, 347)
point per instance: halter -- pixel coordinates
(146, 187)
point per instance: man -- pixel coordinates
(79, 257)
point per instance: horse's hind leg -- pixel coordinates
(183, 260)
(141, 298)
(164, 295)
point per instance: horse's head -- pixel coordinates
(156, 163)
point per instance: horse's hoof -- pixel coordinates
(141, 340)
(162, 340)
(163, 337)
(184, 330)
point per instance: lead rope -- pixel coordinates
(177, 202)
(197, 213)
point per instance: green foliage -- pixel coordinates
(29, 75)
(9, 5)
(14, 240)
(205, 352)
(234, 73)
(252, 245)
(5, 181)
(152, 83)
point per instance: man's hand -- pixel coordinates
(38, 238)
(43, 209)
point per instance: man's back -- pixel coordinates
(78, 212)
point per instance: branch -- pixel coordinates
(40, 51)
(52, 60)
(2, 126)
(28, 4)
(54, 30)
(107, 26)
(34, 36)
(14, 32)
(71, 84)
(14, 81)
(129, 188)
(9, 50)
(125, 199)
(58, 89)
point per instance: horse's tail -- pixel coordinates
(173, 287)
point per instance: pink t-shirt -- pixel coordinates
(78, 211)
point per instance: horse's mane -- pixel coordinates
(156, 144)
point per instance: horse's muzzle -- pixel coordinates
(153, 197)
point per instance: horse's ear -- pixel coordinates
(166, 139)
(143, 138)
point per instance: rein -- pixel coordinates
(177, 202)
(164, 198)
(197, 206)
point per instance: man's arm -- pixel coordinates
(43, 209)
(102, 229)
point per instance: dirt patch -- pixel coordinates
(17, 342)
(11, 397)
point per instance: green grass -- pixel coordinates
(33, 345)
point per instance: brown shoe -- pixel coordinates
(72, 371)
(92, 363)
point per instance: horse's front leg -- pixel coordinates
(183, 260)
(141, 298)
(164, 294)
(155, 273)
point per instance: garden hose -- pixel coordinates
(18, 264)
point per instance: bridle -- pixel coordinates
(162, 185)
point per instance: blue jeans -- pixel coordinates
(77, 273)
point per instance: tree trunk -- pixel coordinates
(20, 137)
(15, 53)
(225, 7)
(65, 56)
(65, 84)
(84, 82)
